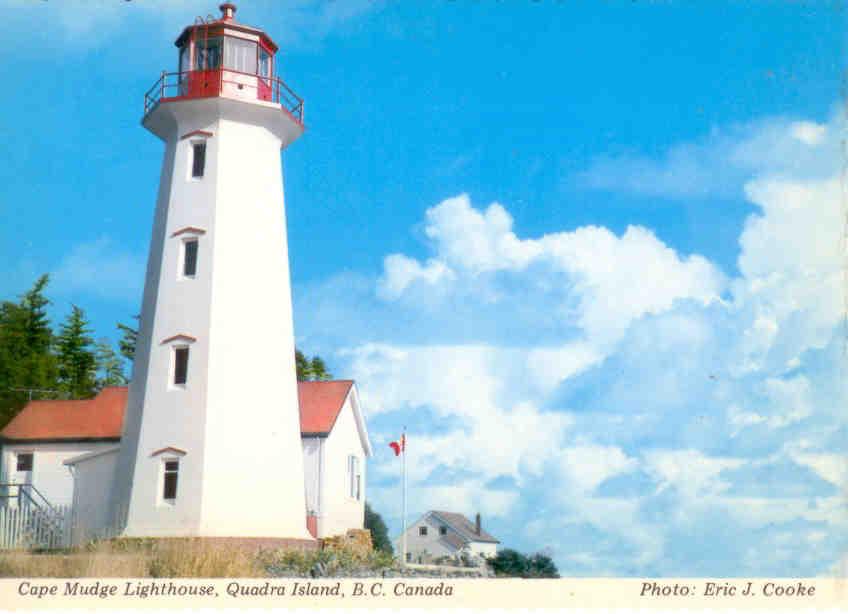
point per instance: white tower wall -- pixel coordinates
(234, 427)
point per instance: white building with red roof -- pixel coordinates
(67, 451)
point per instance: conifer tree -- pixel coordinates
(129, 338)
(379, 532)
(77, 360)
(110, 369)
(302, 366)
(310, 369)
(318, 369)
(27, 363)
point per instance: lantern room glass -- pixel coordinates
(264, 63)
(207, 54)
(240, 55)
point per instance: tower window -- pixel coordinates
(169, 483)
(190, 257)
(180, 365)
(198, 159)
(24, 461)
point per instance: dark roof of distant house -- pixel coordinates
(455, 540)
(464, 527)
(102, 417)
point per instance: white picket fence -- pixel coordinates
(29, 526)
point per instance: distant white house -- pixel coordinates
(67, 451)
(438, 534)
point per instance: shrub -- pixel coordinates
(512, 563)
(328, 562)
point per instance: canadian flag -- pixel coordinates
(398, 446)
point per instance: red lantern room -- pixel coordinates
(221, 57)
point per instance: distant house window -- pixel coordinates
(180, 365)
(198, 159)
(354, 477)
(190, 257)
(24, 461)
(443, 530)
(422, 531)
(169, 484)
(408, 557)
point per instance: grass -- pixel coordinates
(185, 558)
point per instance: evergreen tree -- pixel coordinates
(379, 531)
(302, 366)
(38, 364)
(310, 369)
(77, 360)
(27, 364)
(36, 325)
(110, 369)
(129, 338)
(319, 369)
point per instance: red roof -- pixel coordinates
(320, 404)
(99, 418)
(102, 417)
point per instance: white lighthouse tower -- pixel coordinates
(211, 435)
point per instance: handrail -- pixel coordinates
(26, 490)
(177, 85)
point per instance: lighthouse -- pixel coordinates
(211, 442)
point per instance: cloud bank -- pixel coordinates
(630, 407)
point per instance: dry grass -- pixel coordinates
(196, 559)
(186, 558)
(136, 559)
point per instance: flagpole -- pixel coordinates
(403, 479)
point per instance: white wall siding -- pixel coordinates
(93, 513)
(419, 545)
(312, 472)
(485, 549)
(49, 475)
(340, 512)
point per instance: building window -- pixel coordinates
(180, 365)
(198, 159)
(169, 484)
(354, 477)
(24, 461)
(190, 257)
(422, 531)
(443, 530)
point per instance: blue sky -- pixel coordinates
(588, 253)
